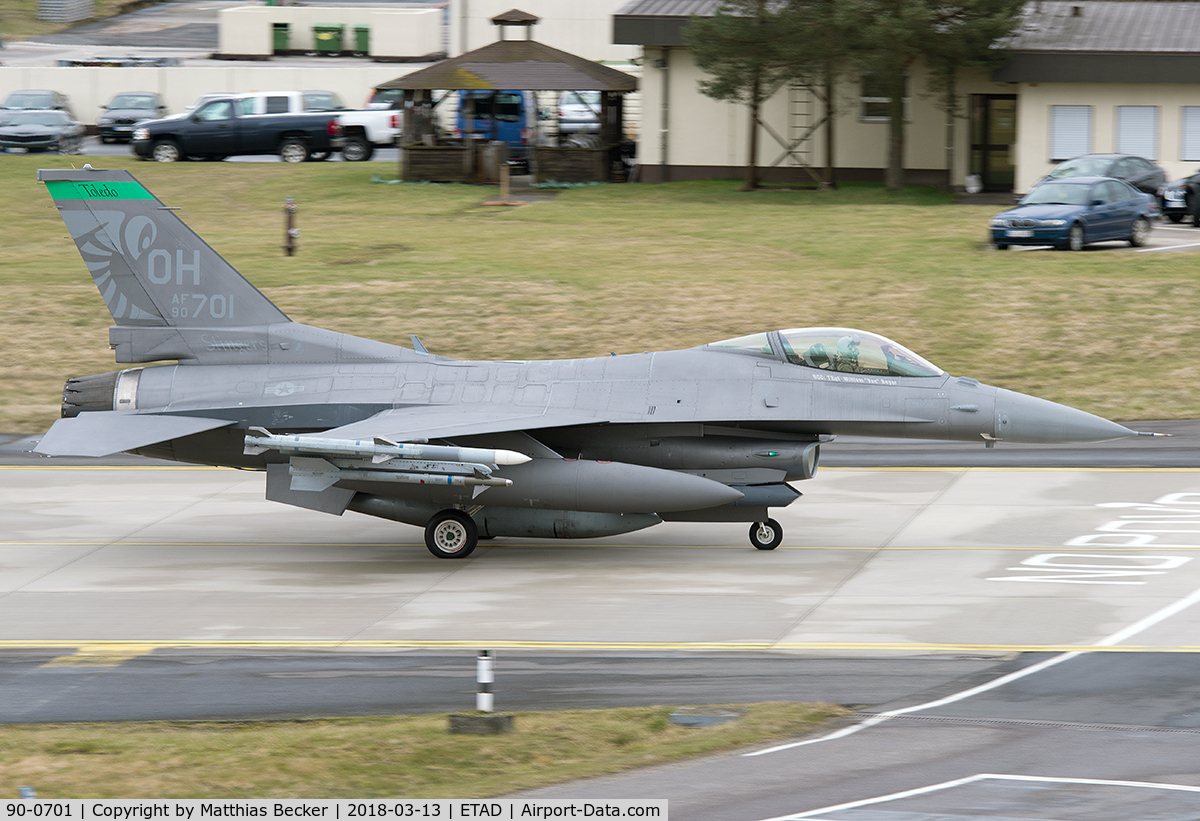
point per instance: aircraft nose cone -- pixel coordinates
(1021, 418)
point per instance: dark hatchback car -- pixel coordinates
(34, 100)
(1137, 171)
(1072, 212)
(124, 111)
(42, 131)
(1181, 198)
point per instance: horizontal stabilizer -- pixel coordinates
(103, 433)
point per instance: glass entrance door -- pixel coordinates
(993, 138)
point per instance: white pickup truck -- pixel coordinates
(363, 131)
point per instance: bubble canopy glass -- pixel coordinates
(838, 349)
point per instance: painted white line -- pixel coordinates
(1109, 641)
(958, 782)
(882, 717)
(1151, 620)
(1103, 782)
(1166, 248)
(946, 785)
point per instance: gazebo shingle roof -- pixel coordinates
(517, 64)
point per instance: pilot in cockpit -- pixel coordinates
(847, 353)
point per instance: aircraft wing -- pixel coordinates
(439, 422)
(102, 433)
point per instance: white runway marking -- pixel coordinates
(814, 815)
(1167, 248)
(1109, 641)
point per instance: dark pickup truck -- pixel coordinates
(226, 126)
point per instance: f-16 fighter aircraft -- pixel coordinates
(573, 448)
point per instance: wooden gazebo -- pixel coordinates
(508, 65)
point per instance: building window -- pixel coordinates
(876, 97)
(1070, 131)
(1189, 145)
(1137, 130)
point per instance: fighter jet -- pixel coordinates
(572, 448)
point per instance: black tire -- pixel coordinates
(293, 150)
(1074, 238)
(1175, 217)
(1139, 233)
(166, 151)
(1000, 246)
(766, 535)
(318, 156)
(1195, 212)
(357, 149)
(451, 534)
(106, 140)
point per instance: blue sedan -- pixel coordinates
(1070, 213)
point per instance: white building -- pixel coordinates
(1084, 76)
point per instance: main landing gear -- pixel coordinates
(766, 535)
(451, 534)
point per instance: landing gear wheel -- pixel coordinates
(451, 534)
(766, 535)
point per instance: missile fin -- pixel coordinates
(312, 474)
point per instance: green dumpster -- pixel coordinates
(362, 39)
(282, 37)
(328, 37)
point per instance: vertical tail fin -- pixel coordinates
(151, 269)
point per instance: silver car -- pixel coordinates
(579, 117)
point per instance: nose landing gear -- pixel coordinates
(766, 535)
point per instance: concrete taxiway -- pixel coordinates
(875, 562)
(1021, 640)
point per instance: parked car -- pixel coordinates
(42, 131)
(579, 116)
(386, 98)
(228, 126)
(124, 111)
(507, 116)
(1072, 212)
(35, 100)
(1181, 198)
(1137, 171)
(362, 131)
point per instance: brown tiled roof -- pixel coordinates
(517, 65)
(516, 16)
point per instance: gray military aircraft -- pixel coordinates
(573, 448)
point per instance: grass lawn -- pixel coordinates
(401, 756)
(622, 268)
(19, 18)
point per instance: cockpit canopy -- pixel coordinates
(836, 349)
